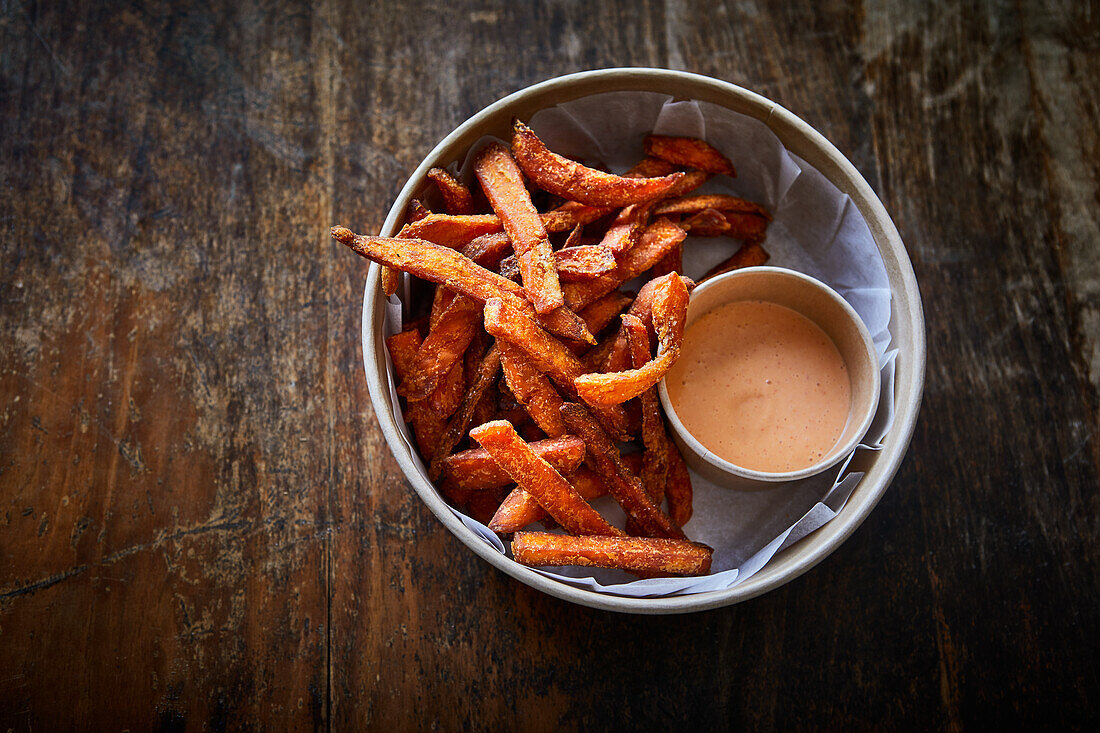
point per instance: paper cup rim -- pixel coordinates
(836, 453)
(816, 150)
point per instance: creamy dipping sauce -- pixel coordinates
(761, 386)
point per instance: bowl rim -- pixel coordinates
(839, 451)
(812, 147)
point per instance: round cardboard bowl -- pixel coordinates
(906, 323)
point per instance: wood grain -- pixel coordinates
(200, 523)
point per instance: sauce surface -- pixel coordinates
(761, 386)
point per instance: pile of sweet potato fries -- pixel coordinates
(513, 352)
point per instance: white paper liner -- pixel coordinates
(817, 230)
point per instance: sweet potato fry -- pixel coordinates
(443, 265)
(532, 389)
(456, 197)
(751, 254)
(427, 425)
(571, 180)
(489, 249)
(503, 185)
(486, 375)
(475, 469)
(644, 555)
(720, 202)
(655, 459)
(538, 478)
(451, 230)
(443, 348)
(623, 484)
(673, 261)
(599, 314)
(656, 241)
(575, 237)
(448, 395)
(391, 279)
(678, 487)
(621, 236)
(574, 264)
(690, 153)
(572, 214)
(706, 223)
(669, 314)
(548, 354)
(749, 227)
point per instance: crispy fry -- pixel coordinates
(621, 236)
(655, 242)
(391, 280)
(503, 185)
(451, 230)
(678, 487)
(427, 424)
(456, 197)
(538, 478)
(623, 484)
(487, 372)
(572, 214)
(548, 355)
(720, 202)
(576, 182)
(416, 211)
(691, 181)
(532, 389)
(441, 350)
(650, 167)
(707, 223)
(599, 314)
(750, 227)
(690, 153)
(751, 254)
(475, 469)
(448, 395)
(443, 265)
(519, 509)
(644, 555)
(575, 237)
(489, 249)
(574, 264)
(669, 314)
(655, 459)
(673, 261)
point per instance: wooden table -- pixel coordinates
(201, 526)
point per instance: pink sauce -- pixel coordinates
(761, 386)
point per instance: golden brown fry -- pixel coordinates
(720, 202)
(678, 487)
(571, 180)
(655, 242)
(669, 314)
(644, 555)
(689, 152)
(655, 459)
(673, 261)
(489, 249)
(451, 230)
(503, 185)
(427, 424)
(538, 478)
(574, 264)
(750, 227)
(391, 280)
(475, 469)
(443, 265)
(448, 395)
(572, 214)
(486, 375)
(751, 254)
(416, 211)
(599, 314)
(532, 389)
(621, 236)
(456, 197)
(624, 485)
(443, 348)
(548, 354)
(707, 223)
(574, 238)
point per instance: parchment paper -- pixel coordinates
(817, 230)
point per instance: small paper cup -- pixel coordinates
(906, 325)
(824, 307)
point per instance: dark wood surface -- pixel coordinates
(201, 526)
